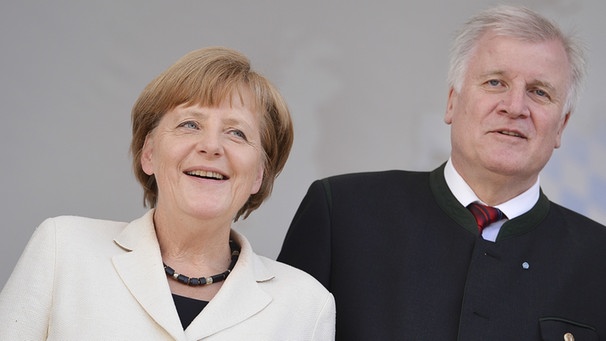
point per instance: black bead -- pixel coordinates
(183, 279)
(169, 270)
(235, 252)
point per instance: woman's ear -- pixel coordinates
(258, 180)
(146, 155)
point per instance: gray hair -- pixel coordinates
(519, 23)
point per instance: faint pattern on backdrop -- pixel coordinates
(577, 178)
(365, 82)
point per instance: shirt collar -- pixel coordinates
(465, 195)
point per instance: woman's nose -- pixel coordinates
(210, 144)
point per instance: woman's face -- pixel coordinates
(206, 161)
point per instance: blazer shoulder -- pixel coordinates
(391, 173)
(72, 220)
(288, 277)
(76, 227)
(378, 185)
(579, 222)
(386, 176)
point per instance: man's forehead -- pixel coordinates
(542, 62)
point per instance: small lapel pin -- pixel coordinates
(568, 337)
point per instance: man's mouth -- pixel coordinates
(206, 175)
(510, 133)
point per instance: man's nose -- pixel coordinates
(515, 103)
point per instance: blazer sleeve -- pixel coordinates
(26, 299)
(325, 325)
(307, 244)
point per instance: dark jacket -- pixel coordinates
(404, 261)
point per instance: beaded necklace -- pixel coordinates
(235, 252)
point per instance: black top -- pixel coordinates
(188, 308)
(404, 238)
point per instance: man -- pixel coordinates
(404, 256)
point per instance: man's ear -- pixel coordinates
(562, 125)
(452, 98)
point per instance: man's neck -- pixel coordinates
(493, 188)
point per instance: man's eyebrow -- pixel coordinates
(492, 73)
(545, 85)
(534, 83)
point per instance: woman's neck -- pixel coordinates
(195, 249)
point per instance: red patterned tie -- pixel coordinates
(485, 215)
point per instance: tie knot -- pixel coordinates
(485, 215)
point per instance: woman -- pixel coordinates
(209, 138)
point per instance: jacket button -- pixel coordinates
(568, 337)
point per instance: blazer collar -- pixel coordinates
(240, 296)
(141, 270)
(517, 226)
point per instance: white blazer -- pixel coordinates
(88, 279)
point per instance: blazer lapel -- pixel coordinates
(240, 296)
(140, 268)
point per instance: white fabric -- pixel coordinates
(87, 279)
(511, 208)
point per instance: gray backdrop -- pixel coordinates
(365, 82)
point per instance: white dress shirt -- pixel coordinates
(511, 208)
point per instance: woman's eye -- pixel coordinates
(189, 125)
(238, 133)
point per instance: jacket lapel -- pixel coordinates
(240, 296)
(140, 268)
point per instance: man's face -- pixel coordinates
(508, 116)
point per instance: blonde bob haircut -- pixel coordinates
(207, 77)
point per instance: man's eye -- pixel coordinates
(494, 82)
(541, 93)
